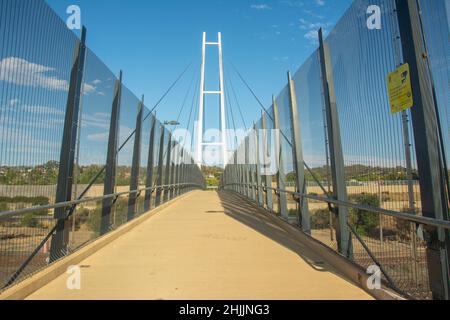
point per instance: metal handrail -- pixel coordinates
(404, 216)
(7, 214)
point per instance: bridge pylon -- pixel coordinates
(200, 142)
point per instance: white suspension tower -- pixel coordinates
(200, 141)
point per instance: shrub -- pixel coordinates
(29, 220)
(404, 227)
(3, 207)
(365, 222)
(321, 219)
(94, 220)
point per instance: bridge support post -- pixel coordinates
(428, 147)
(281, 178)
(136, 163)
(60, 238)
(173, 171)
(159, 181)
(252, 166)
(267, 165)
(168, 170)
(111, 158)
(297, 151)
(259, 194)
(179, 173)
(241, 161)
(245, 167)
(335, 148)
(150, 166)
(237, 174)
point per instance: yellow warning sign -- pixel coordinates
(399, 88)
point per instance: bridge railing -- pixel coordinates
(80, 154)
(323, 156)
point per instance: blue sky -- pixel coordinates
(152, 41)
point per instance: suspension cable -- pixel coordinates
(273, 121)
(237, 103)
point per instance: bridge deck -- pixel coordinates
(207, 245)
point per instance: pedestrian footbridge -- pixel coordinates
(206, 245)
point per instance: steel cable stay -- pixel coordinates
(230, 107)
(192, 112)
(236, 100)
(281, 131)
(183, 105)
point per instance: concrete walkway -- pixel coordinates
(208, 245)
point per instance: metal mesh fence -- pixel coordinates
(37, 54)
(35, 65)
(380, 178)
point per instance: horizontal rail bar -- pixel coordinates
(405, 216)
(7, 214)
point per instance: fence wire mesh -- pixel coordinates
(378, 148)
(36, 61)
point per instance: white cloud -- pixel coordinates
(96, 121)
(13, 102)
(312, 29)
(320, 2)
(261, 7)
(92, 87)
(99, 137)
(44, 110)
(293, 3)
(312, 35)
(88, 88)
(24, 73)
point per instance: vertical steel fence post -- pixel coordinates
(281, 178)
(241, 161)
(267, 166)
(259, 194)
(136, 163)
(168, 169)
(236, 172)
(297, 151)
(150, 166)
(111, 158)
(60, 238)
(179, 172)
(159, 181)
(246, 169)
(252, 166)
(427, 145)
(173, 170)
(335, 146)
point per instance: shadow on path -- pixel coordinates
(248, 214)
